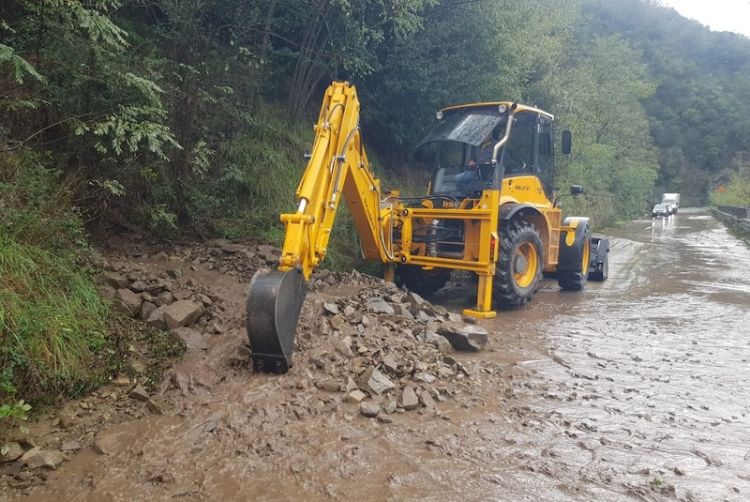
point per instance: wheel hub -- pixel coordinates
(521, 264)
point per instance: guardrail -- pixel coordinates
(733, 216)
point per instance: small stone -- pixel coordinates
(128, 302)
(426, 399)
(138, 393)
(390, 406)
(384, 419)
(107, 292)
(439, 342)
(342, 348)
(153, 407)
(329, 385)
(424, 377)
(415, 299)
(138, 286)
(390, 363)
(70, 446)
(36, 457)
(183, 294)
(107, 443)
(156, 319)
(164, 298)
(147, 308)
(331, 308)
(174, 273)
(182, 313)
(10, 452)
(375, 382)
(369, 409)
(232, 248)
(409, 399)
(402, 310)
(121, 381)
(205, 300)
(337, 322)
(355, 396)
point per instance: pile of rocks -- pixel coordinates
(386, 350)
(224, 256)
(163, 300)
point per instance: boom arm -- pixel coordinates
(337, 167)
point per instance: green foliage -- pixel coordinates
(15, 411)
(53, 322)
(736, 190)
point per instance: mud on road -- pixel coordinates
(635, 389)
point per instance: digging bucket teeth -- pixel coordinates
(274, 302)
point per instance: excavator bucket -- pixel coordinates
(273, 307)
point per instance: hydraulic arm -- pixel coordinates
(337, 168)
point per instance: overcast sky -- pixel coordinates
(719, 15)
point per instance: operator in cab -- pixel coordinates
(481, 158)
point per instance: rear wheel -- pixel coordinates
(420, 280)
(519, 269)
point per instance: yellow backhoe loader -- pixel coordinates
(490, 210)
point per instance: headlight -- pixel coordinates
(439, 115)
(502, 109)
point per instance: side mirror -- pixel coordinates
(567, 142)
(576, 190)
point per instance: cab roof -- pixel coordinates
(495, 104)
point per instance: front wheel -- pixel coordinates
(518, 273)
(575, 260)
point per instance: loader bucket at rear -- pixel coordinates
(273, 308)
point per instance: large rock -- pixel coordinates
(109, 443)
(380, 306)
(369, 409)
(128, 302)
(116, 280)
(409, 399)
(156, 319)
(107, 292)
(467, 337)
(375, 382)
(182, 313)
(10, 452)
(192, 339)
(36, 457)
(138, 393)
(147, 308)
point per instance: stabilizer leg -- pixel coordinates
(274, 303)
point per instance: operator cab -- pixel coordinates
(462, 145)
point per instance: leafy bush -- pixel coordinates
(53, 321)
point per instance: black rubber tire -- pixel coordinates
(507, 292)
(603, 274)
(575, 280)
(421, 281)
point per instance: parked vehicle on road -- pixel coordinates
(661, 211)
(672, 199)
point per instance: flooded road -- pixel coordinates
(635, 389)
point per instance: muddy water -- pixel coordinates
(635, 389)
